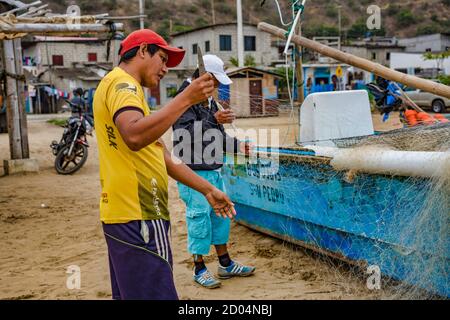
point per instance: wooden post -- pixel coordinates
(39, 105)
(375, 68)
(3, 123)
(21, 99)
(16, 118)
(299, 70)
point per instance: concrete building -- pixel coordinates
(168, 86)
(66, 62)
(324, 77)
(55, 66)
(415, 64)
(221, 40)
(438, 42)
(377, 49)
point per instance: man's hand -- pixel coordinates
(225, 116)
(222, 205)
(246, 148)
(200, 89)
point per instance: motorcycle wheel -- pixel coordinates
(68, 165)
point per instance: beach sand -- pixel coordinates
(49, 222)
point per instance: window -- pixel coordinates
(194, 48)
(225, 42)
(250, 43)
(92, 57)
(207, 47)
(58, 60)
(428, 50)
(388, 56)
(374, 55)
(171, 90)
(402, 70)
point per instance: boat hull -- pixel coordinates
(364, 219)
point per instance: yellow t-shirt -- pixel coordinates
(134, 184)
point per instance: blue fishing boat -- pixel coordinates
(368, 211)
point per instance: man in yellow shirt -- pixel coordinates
(134, 167)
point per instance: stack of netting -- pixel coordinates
(420, 138)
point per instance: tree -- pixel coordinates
(234, 61)
(444, 79)
(359, 29)
(439, 57)
(249, 61)
(405, 18)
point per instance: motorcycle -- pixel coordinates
(386, 96)
(72, 150)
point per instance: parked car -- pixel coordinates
(437, 104)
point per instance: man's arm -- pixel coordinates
(218, 200)
(138, 131)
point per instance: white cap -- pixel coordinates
(214, 65)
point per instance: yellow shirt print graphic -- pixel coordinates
(134, 184)
(127, 87)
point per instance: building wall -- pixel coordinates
(72, 52)
(171, 79)
(263, 54)
(411, 61)
(367, 53)
(434, 42)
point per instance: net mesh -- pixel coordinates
(397, 224)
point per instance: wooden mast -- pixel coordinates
(364, 64)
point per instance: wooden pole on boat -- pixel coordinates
(407, 99)
(376, 68)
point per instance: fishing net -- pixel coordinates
(356, 223)
(382, 235)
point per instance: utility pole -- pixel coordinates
(142, 26)
(339, 7)
(240, 33)
(141, 13)
(213, 12)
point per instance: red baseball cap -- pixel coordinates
(148, 36)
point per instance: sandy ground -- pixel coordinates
(49, 222)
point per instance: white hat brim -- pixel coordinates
(223, 78)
